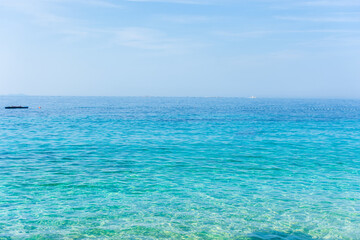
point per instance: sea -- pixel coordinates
(179, 168)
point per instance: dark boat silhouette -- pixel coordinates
(16, 107)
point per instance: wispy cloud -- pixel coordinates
(260, 34)
(333, 3)
(186, 19)
(98, 3)
(44, 10)
(351, 43)
(243, 35)
(198, 2)
(149, 39)
(38, 10)
(334, 19)
(74, 30)
(316, 39)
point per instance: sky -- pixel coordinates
(205, 48)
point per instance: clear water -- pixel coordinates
(179, 168)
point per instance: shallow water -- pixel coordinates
(179, 168)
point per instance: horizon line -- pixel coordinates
(154, 96)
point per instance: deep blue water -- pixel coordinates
(179, 168)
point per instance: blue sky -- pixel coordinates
(266, 48)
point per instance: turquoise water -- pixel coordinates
(179, 168)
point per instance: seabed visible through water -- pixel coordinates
(179, 168)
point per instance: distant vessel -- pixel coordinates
(16, 107)
(252, 97)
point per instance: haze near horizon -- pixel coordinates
(222, 48)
